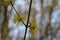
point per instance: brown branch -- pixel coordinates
(48, 27)
(42, 15)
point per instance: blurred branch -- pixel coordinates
(42, 15)
(14, 8)
(28, 19)
(48, 27)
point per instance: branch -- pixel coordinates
(16, 11)
(28, 19)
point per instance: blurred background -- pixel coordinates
(46, 14)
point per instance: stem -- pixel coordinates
(14, 8)
(16, 11)
(28, 19)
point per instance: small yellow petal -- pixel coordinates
(18, 18)
(33, 27)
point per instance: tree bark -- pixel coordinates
(4, 28)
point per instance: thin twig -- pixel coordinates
(14, 8)
(28, 19)
(16, 11)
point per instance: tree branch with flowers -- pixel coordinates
(20, 18)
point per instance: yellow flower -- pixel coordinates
(19, 18)
(7, 2)
(33, 27)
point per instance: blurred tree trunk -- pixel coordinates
(49, 29)
(50, 10)
(42, 12)
(4, 28)
(42, 15)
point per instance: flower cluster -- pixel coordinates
(19, 18)
(33, 27)
(7, 2)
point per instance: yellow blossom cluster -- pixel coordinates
(33, 27)
(19, 18)
(7, 2)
